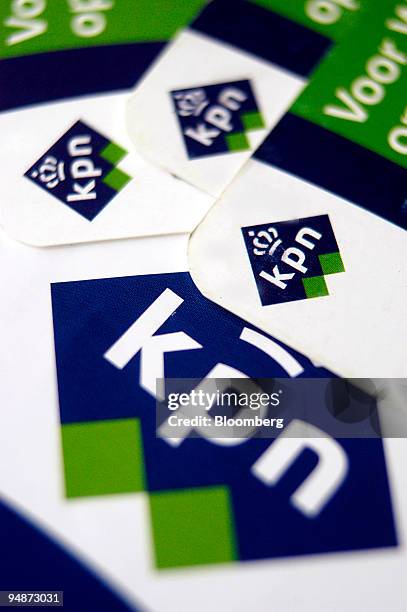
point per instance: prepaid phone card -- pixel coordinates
(70, 175)
(225, 81)
(68, 170)
(201, 518)
(309, 241)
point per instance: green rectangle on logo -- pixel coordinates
(116, 179)
(103, 457)
(113, 153)
(192, 526)
(315, 286)
(331, 263)
(237, 142)
(253, 120)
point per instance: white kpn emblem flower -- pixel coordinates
(265, 241)
(50, 172)
(191, 102)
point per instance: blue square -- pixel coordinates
(76, 171)
(214, 119)
(286, 257)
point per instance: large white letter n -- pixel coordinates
(325, 479)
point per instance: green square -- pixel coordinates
(315, 286)
(116, 179)
(331, 263)
(113, 153)
(237, 142)
(103, 457)
(192, 527)
(253, 120)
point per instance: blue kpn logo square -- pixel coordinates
(80, 170)
(208, 500)
(290, 259)
(217, 118)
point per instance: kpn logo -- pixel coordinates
(80, 169)
(217, 118)
(291, 259)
